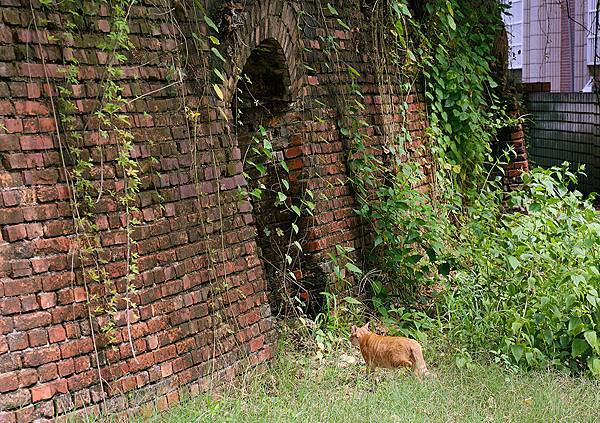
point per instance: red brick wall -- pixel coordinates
(518, 162)
(199, 321)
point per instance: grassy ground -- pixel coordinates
(299, 389)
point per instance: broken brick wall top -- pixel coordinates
(203, 292)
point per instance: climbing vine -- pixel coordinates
(410, 190)
(105, 295)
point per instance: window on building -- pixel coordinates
(513, 19)
(593, 43)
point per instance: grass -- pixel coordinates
(300, 389)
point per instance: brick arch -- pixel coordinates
(274, 20)
(274, 25)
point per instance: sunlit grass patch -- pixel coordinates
(300, 389)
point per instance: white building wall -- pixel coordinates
(538, 38)
(582, 72)
(541, 42)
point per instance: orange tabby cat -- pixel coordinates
(388, 351)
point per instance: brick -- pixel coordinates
(22, 286)
(10, 198)
(57, 334)
(17, 341)
(7, 69)
(14, 400)
(47, 300)
(38, 337)
(20, 268)
(6, 35)
(13, 125)
(41, 392)
(66, 367)
(10, 217)
(81, 364)
(41, 177)
(34, 230)
(165, 353)
(27, 377)
(7, 109)
(9, 142)
(75, 348)
(36, 142)
(32, 320)
(103, 25)
(47, 124)
(257, 344)
(31, 125)
(7, 417)
(26, 414)
(8, 382)
(16, 232)
(33, 90)
(18, 89)
(43, 212)
(30, 108)
(47, 372)
(10, 305)
(29, 303)
(41, 356)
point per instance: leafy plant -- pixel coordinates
(456, 51)
(528, 280)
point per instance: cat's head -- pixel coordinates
(358, 332)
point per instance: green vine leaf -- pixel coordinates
(217, 53)
(218, 91)
(219, 74)
(353, 268)
(332, 9)
(210, 23)
(451, 22)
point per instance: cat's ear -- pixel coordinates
(353, 330)
(366, 326)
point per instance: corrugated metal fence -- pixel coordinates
(566, 127)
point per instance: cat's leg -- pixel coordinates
(419, 367)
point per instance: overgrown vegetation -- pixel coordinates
(508, 275)
(527, 278)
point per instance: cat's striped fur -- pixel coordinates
(389, 351)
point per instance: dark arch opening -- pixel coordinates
(268, 131)
(263, 89)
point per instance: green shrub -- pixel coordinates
(527, 282)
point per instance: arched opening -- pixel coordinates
(263, 88)
(268, 131)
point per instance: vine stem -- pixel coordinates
(74, 203)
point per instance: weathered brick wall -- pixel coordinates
(203, 313)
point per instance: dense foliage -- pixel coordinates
(515, 273)
(455, 50)
(528, 280)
